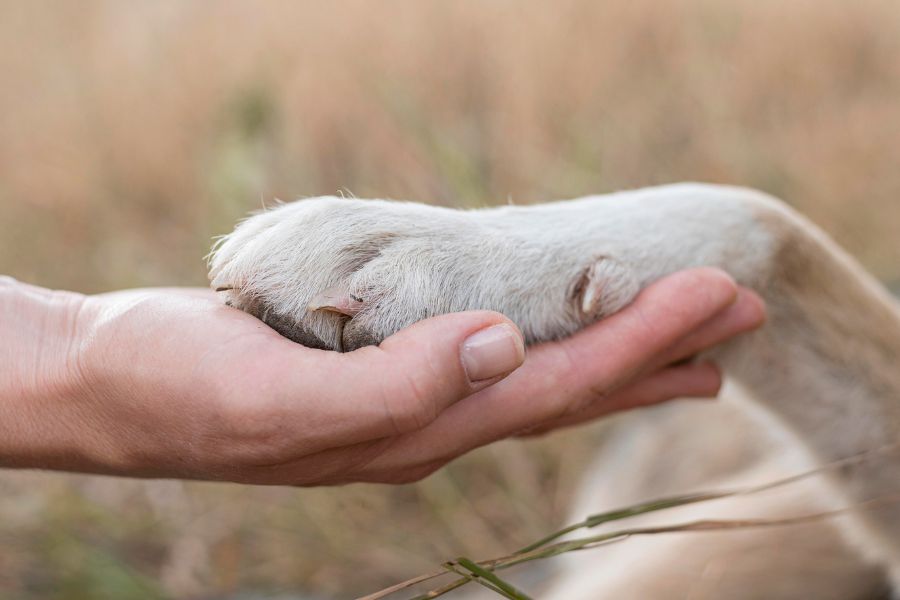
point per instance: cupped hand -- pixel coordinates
(172, 383)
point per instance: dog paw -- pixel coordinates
(338, 274)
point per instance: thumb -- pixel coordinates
(413, 375)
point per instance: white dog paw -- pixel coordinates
(339, 273)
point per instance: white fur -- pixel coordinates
(824, 368)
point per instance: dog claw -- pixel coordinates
(337, 299)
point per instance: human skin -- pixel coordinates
(172, 383)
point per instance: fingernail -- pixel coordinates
(491, 352)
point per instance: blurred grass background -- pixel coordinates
(131, 133)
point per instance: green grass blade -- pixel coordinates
(505, 587)
(624, 513)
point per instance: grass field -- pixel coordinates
(131, 133)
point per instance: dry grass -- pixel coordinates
(130, 133)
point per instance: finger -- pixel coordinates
(562, 377)
(400, 386)
(702, 380)
(612, 352)
(435, 363)
(746, 314)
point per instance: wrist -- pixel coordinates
(42, 376)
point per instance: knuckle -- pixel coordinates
(407, 403)
(643, 325)
(570, 378)
(591, 397)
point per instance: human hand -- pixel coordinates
(171, 383)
